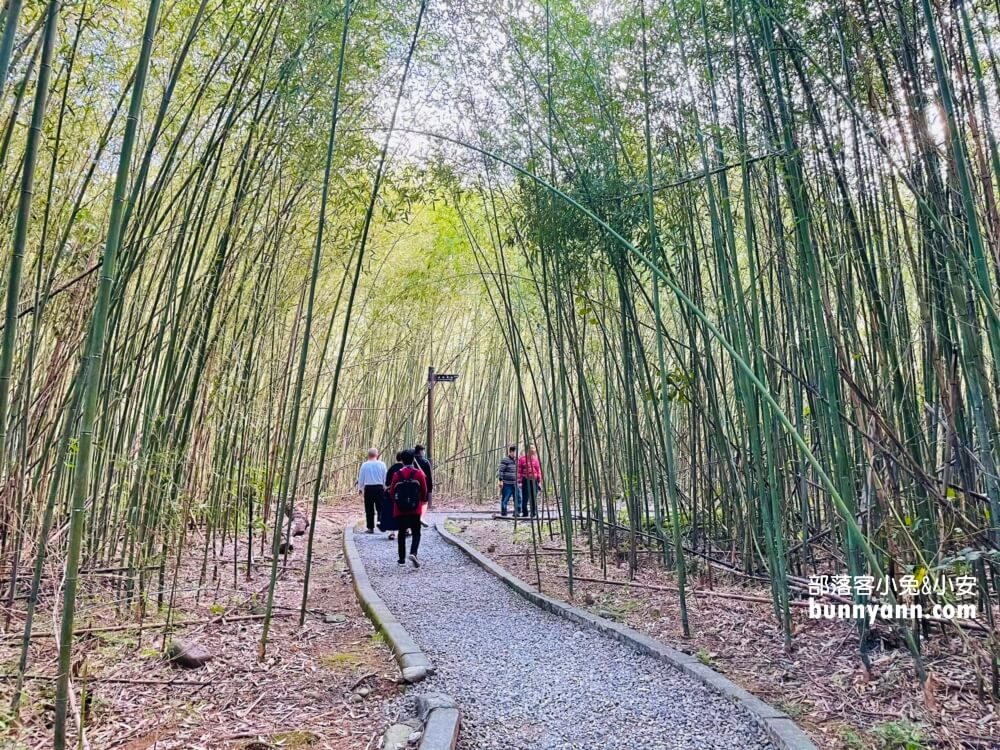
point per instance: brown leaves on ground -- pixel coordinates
(299, 696)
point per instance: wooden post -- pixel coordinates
(430, 411)
(432, 379)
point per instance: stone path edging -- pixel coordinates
(441, 717)
(413, 663)
(779, 726)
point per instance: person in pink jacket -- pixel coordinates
(529, 476)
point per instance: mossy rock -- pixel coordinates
(187, 655)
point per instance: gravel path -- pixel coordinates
(528, 680)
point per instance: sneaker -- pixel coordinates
(415, 561)
(392, 535)
(402, 562)
(369, 531)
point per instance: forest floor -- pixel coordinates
(307, 691)
(305, 694)
(821, 684)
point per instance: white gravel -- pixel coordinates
(528, 680)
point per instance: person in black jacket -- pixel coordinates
(393, 469)
(425, 466)
(386, 520)
(507, 477)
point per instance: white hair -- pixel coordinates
(373, 453)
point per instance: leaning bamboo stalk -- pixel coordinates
(20, 237)
(317, 255)
(11, 17)
(91, 378)
(667, 430)
(362, 244)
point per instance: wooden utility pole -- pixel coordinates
(430, 411)
(433, 378)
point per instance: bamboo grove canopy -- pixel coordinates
(732, 264)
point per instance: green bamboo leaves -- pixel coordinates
(740, 289)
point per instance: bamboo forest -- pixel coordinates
(682, 316)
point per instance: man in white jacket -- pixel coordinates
(371, 484)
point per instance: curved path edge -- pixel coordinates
(413, 663)
(442, 716)
(778, 725)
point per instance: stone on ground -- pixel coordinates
(187, 655)
(396, 737)
(427, 702)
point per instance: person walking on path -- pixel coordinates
(529, 476)
(425, 466)
(386, 519)
(391, 471)
(408, 491)
(371, 484)
(507, 477)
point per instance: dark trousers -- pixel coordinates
(373, 500)
(411, 524)
(385, 520)
(529, 493)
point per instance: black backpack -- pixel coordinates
(406, 494)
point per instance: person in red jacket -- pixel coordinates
(408, 491)
(529, 476)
